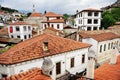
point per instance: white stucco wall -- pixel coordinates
(64, 58)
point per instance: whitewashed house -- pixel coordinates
(64, 54)
(102, 45)
(88, 19)
(20, 30)
(53, 20)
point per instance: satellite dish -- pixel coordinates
(91, 54)
(47, 66)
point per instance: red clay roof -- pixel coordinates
(33, 74)
(52, 14)
(35, 14)
(32, 48)
(105, 36)
(20, 23)
(54, 21)
(108, 71)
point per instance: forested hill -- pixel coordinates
(8, 9)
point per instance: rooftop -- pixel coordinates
(35, 14)
(108, 71)
(52, 14)
(54, 21)
(105, 36)
(32, 74)
(20, 23)
(33, 48)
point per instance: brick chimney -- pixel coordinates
(91, 65)
(45, 46)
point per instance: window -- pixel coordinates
(81, 14)
(3, 75)
(89, 21)
(108, 46)
(96, 14)
(72, 62)
(45, 26)
(95, 28)
(52, 26)
(104, 47)
(58, 68)
(24, 28)
(89, 13)
(83, 58)
(12, 36)
(58, 26)
(17, 28)
(111, 45)
(25, 37)
(88, 28)
(29, 28)
(29, 36)
(79, 21)
(95, 21)
(58, 17)
(100, 48)
(18, 36)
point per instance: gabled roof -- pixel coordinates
(20, 23)
(52, 14)
(33, 48)
(32, 74)
(35, 14)
(54, 21)
(108, 71)
(105, 36)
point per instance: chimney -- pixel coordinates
(77, 35)
(91, 65)
(45, 46)
(57, 33)
(113, 59)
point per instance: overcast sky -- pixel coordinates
(59, 6)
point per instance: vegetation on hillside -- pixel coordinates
(8, 9)
(110, 17)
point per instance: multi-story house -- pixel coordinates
(88, 19)
(54, 54)
(20, 30)
(102, 45)
(53, 20)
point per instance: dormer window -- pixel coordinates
(45, 46)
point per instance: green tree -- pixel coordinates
(107, 21)
(116, 13)
(28, 14)
(66, 16)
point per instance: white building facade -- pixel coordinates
(103, 47)
(88, 19)
(20, 30)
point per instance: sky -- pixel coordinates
(58, 6)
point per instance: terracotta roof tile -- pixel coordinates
(35, 14)
(91, 9)
(33, 48)
(108, 71)
(20, 23)
(54, 21)
(105, 36)
(52, 14)
(32, 74)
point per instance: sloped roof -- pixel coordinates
(54, 21)
(105, 36)
(108, 71)
(35, 14)
(32, 74)
(91, 9)
(52, 14)
(20, 23)
(33, 48)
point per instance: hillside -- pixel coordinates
(8, 9)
